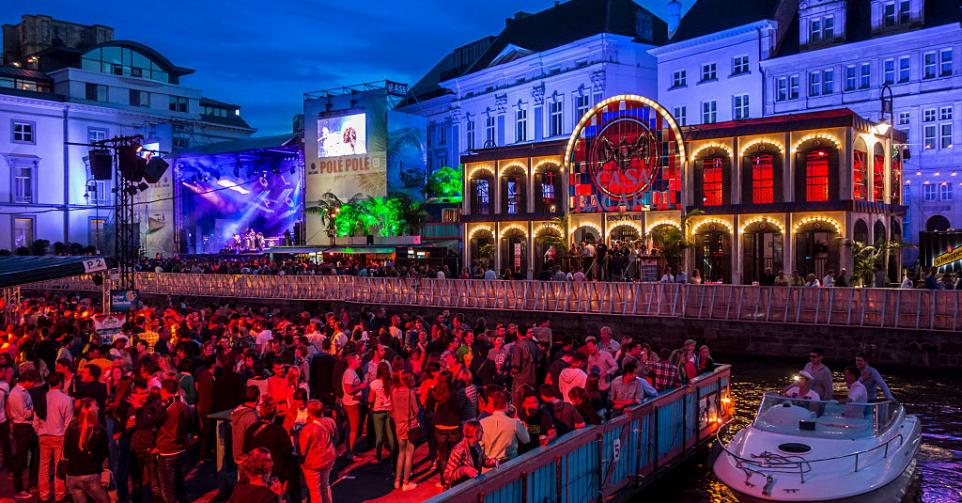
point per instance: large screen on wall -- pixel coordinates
(341, 135)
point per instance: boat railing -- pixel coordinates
(767, 463)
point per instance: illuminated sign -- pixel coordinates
(948, 257)
(341, 135)
(396, 88)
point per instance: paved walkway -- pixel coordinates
(353, 482)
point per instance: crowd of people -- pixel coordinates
(124, 416)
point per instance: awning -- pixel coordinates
(16, 270)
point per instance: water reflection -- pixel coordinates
(933, 397)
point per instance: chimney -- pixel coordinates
(674, 17)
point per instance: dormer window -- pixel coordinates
(821, 29)
(892, 14)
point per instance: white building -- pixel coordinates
(65, 83)
(535, 80)
(827, 54)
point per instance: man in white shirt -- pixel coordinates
(600, 362)
(264, 335)
(573, 376)
(490, 274)
(828, 281)
(20, 415)
(51, 430)
(803, 387)
(856, 390)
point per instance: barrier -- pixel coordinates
(594, 463)
(871, 307)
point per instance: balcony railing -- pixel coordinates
(868, 307)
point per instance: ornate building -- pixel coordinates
(786, 193)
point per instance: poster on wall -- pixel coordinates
(341, 135)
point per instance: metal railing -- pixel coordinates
(866, 307)
(594, 463)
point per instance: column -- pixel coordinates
(529, 197)
(788, 175)
(497, 247)
(497, 187)
(736, 175)
(788, 247)
(736, 251)
(530, 239)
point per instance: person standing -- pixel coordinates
(171, 445)
(316, 445)
(51, 431)
(380, 400)
(870, 378)
(501, 433)
(145, 415)
(85, 453)
(822, 383)
(257, 468)
(525, 356)
(404, 411)
(272, 436)
(351, 401)
(241, 418)
(856, 390)
(6, 373)
(600, 362)
(20, 415)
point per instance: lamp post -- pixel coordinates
(885, 128)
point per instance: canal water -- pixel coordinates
(935, 397)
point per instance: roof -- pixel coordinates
(22, 73)
(54, 58)
(574, 20)
(17, 270)
(210, 102)
(858, 23)
(283, 141)
(451, 65)
(538, 149)
(711, 16)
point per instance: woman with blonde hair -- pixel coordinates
(85, 455)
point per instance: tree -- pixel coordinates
(446, 184)
(866, 257)
(673, 244)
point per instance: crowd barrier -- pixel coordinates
(869, 307)
(595, 463)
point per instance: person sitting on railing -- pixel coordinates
(628, 390)
(467, 458)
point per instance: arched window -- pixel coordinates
(482, 190)
(878, 174)
(547, 184)
(860, 233)
(512, 191)
(712, 178)
(117, 60)
(762, 175)
(860, 172)
(937, 223)
(895, 180)
(816, 171)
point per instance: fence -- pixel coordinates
(868, 307)
(594, 463)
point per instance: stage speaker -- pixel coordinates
(299, 233)
(155, 170)
(101, 164)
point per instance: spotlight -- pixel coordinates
(130, 189)
(263, 181)
(132, 166)
(292, 169)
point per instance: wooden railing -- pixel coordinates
(594, 463)
(869, 307)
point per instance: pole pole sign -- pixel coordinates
(948, 257)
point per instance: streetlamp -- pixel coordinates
(884, 128)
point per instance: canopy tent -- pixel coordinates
(16, 270)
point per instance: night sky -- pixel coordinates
(264, 55)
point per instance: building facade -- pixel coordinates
(776, 193)
(64, 85)
(828, 54)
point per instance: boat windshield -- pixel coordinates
(820, 418)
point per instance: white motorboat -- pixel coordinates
(804, 450)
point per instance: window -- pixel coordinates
(816, 176)
(739, 65)
(23, 183)
(95, 232)
(442, 132)
(945, 113)
(929, 63)
(929, 191)
(740, 106)
(888, 71)
(928, 136)
(860, 175)
(904, 118)
(793, 87)
(945, 135)
(23, 131)
(821, 29)
(489, 131)
(482, 190)
(945, 62)
(850, 78)
(763, 179)
(22, 231)
(95, 134)
(449, 215)
(928, 115)
(582, 104)
(828, 83)
(713, 184)
(520, 124)
(139, 98)
(878, 175)
(469, 131)
(815, 83)
(679, 78)
(781, 89)
(945, 191)
(865, 77)
(904, 12)
(548, 196)
(123, 61)
(681, 115)
(709, 112)
(709, 72)
(96, 92)
(904, 67)
(178, 104)
(514, 196)
(555, 117)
